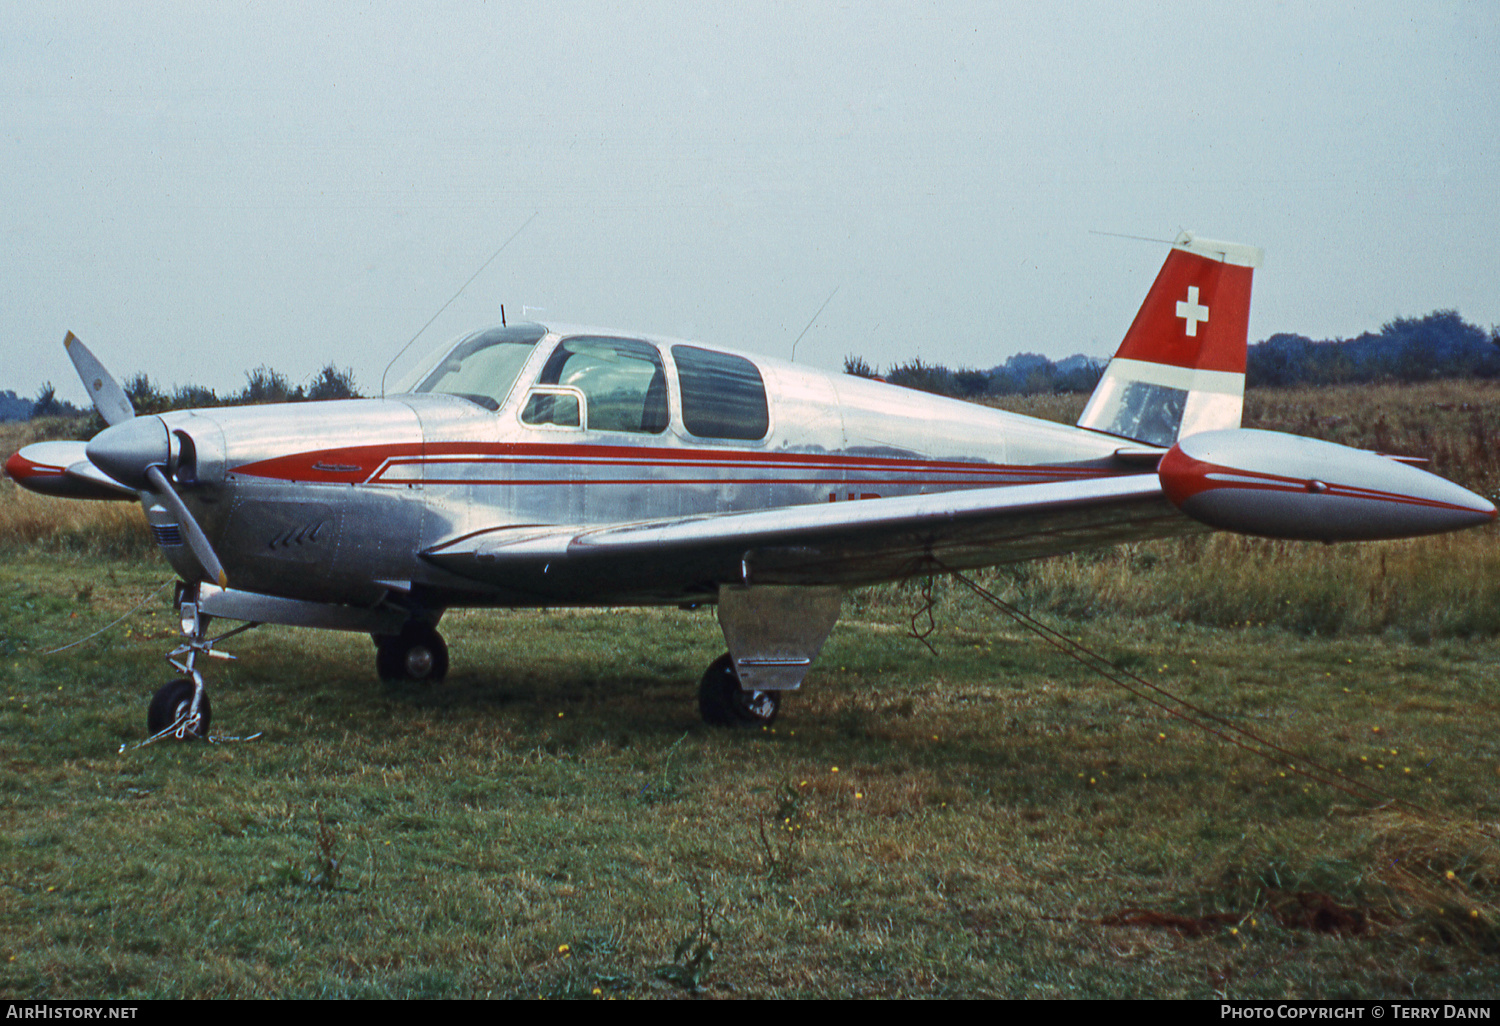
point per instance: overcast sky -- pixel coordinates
(197, 189)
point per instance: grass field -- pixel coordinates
(986, 820)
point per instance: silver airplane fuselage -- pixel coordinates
(336, 502)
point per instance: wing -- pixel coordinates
(847, 543)
(63, 469)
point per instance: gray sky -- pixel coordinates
(197, 189)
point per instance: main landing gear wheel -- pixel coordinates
(417, 655)
(174, 703)
(723, 703)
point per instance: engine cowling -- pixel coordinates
(1285, 486)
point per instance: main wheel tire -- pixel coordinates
(723, 703)
(418, 655)
(174, 701)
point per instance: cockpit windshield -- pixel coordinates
(481, 367)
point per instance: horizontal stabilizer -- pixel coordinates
(1286, 486)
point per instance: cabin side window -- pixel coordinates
(723, 396)
(622, 382)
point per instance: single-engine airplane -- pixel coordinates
(533, 466)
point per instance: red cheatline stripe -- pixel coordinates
(969, 468)
(830, 482)
(368, 463)
(988, 472)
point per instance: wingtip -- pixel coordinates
(223, 579)
(68, 342)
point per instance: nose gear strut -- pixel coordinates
(181, 709)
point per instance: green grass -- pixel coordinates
(553, 820)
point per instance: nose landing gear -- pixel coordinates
(181, 709)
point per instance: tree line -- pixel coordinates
(262, 385)
(1407, 349)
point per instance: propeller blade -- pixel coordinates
(109, 398)
(93, 483)
(196, 539)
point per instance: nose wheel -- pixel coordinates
(723, 703)
(417, 655)
(172, 711)
(181, 709)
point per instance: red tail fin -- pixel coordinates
(1181, 368)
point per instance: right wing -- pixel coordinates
(63, 469)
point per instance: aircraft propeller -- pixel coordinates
(134, 450)
(196, 539)
(109, 398)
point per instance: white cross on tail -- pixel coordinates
(1191, 311)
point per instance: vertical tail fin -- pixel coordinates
(1181, 368)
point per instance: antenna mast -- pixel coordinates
(455, 295)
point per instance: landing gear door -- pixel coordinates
(775, 632)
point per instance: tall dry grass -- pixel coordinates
(1442, 587)
(16, 433)
(114, 530)
(29, 521)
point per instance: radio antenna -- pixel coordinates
(814, 317)
(1138, 238)
(461, 288)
